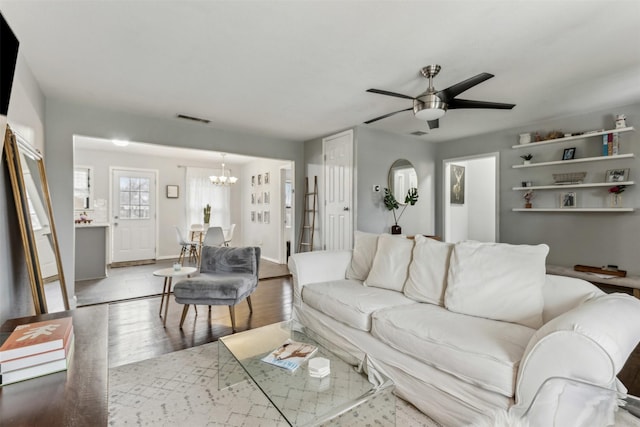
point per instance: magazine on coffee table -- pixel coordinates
(290, 355)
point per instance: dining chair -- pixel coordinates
(190, 246)
(229, 235)
(214, 237)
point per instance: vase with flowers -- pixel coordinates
(615, 195)
(528, 196)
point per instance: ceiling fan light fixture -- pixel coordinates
(429, 107)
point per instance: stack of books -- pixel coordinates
(610, 144)
(36, 349)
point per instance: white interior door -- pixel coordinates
(133, 215)
(338, 178)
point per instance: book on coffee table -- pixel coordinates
(290, 355)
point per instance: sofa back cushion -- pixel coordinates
(428, 270)
(391, 264)
(364, 250)
(497, 281)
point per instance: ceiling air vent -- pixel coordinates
(418, 133)
(195, 119)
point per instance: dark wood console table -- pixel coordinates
(76, 397)
(630, 282)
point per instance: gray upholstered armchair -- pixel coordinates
(227, 276)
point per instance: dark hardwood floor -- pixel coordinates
(136, 332)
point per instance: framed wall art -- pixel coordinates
(173, 191)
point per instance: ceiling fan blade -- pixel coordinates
(387, 115)
(433, 124)
(447, 94)
(386, 92)
(467, 103)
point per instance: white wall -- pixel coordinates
(574, 238)
(266, 235)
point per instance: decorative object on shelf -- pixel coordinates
(207, 213)
(84, 219)
(615, 196)
(527, 184)
(569, 178)
(568, 199)
(392, 204)
(525, 138)
(528, 196)
(556, 134)
(456, 179)
(526, 158)
(172, 191)
(569, 153)
(621, 121)
(617, 175)
(225, 177)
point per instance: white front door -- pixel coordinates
(133, 215)
(338, 178)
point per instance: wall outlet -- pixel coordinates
(376, 188)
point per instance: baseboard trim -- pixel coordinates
(132, 263)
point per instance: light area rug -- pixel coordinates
(181, 389)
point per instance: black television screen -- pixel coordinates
(9, 53)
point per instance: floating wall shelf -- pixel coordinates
(572, 138)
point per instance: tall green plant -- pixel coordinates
(392, 204)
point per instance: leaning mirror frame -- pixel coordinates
(402, 176)
(15, 147)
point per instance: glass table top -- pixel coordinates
(300, 398)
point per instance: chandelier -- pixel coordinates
(225, 177)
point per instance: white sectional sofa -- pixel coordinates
(464, 330)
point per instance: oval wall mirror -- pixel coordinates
(402, 177)
(35, 217)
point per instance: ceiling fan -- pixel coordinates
(432, 104)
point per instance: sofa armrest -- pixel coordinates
(589, 343)
(318, 266)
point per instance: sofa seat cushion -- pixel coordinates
(349, 302)
(483, 352)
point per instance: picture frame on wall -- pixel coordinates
(173, 191)
(456, 180)
(569, 153)
(267, 178)
(617, 175)
(568, 199)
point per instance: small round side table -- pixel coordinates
(169, 274)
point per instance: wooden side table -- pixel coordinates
(75, 397)
(629, 282)
(169, 274)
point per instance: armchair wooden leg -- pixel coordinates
(184, 314)
(249, 302)
(233, 318)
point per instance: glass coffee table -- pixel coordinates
(344, 397)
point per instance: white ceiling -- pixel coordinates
(299, 70)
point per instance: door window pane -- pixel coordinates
(134, 198)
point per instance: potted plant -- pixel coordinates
(207, 213)
(527, 158)
(528, 195)
(392, 204)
